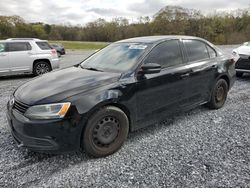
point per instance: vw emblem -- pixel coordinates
(12, 101)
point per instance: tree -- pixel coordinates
(220, 28)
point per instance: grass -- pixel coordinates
(79, 45)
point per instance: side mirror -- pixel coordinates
(150, 68)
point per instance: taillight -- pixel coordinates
(53, 51)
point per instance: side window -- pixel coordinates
(2, 47)
(19, 46)
(196, 50)
(166, 54)
(211, 52)
(44, 45)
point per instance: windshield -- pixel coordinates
(117, 57)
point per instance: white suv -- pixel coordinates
(26, 56)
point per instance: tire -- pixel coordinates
(105, 131)
(239, 74)
(219, 94)
(41, 67)
(59, 54)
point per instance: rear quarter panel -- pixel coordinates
(226, 68)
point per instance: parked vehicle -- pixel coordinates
(128, 85)
(242, 54)
(59, 48)
(26, 56)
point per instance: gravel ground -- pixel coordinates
(200, 148)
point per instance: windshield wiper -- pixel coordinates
(91, 68)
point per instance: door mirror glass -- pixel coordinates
(150, 68)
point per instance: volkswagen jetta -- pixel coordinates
(127, 85)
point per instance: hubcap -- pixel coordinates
(42, 68)
(220, 93)
(106, 131)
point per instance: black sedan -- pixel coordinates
(128, 85)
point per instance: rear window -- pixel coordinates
(19, 46)
(43, 45)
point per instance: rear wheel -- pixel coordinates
(41, 67)
(105, 131)
(239, 74)
(219, 94)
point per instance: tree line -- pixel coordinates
(220, 28)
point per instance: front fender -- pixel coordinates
(88, 101)
(117, 94)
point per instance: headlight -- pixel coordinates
(11, 100)
(235, 53)
(48, 111)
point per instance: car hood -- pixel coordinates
(56, 86)
(244, 50)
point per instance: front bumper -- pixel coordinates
(242, 65)
(49, 136)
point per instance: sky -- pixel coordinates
(83, 11)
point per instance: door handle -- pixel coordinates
(3, 54)
(30, 53)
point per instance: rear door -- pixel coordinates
(4, 60)
(20, 57)
(201, 58)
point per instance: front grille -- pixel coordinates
(20, 107)
(243, 64)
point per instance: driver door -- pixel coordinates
(162, 92)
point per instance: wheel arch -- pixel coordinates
(40, 60)
(111, 103)
(102, 105)
(226, 78)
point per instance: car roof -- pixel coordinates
(36, 39)
(23, 40)
(158, 38)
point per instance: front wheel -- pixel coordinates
(219, 94)
(105, 131)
